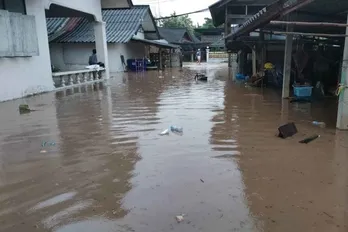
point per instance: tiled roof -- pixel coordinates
(121, 26)
(172, 35)
(177, 35)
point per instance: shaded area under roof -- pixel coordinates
(121, 26)
(302, 10)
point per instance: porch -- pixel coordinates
(72, 41)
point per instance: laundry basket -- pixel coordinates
(303, 92)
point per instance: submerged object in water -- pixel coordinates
(201, 77)
(176, 129)
(287, 130)
(310, 139)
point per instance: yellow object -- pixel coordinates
(339, 89)
(268, 66)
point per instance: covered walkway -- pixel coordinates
(315, 26)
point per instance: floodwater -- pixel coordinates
(91, 159)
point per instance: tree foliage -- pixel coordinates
(208, 23)
(177, 21)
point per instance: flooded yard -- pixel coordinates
(91, 159)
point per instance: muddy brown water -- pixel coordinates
(106, 168)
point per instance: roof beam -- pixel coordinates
(314, 24)
(307, 34)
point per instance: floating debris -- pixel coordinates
(176, 129)
(165, 132)
(24, 109)
(287, 130)
(202, 181)
(180, 218)
(310, 139)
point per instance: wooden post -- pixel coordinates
(263, 50)
(253, 60)
(287, 64)
(227, 32)
(342, 115)
(170, 58)
(160, 59)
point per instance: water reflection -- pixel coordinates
(110, 170)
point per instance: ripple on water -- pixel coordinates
(53, 201)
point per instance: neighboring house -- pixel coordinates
(213, 37)
(128, 33)
(24, 52)
(180, 36)
(185, 39)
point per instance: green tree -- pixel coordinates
(208, 23)
(177, 21)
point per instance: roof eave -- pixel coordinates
(263, 17)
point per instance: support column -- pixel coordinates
(170, 58)
(228, 31)
(192, 57)
(342, 114)
(101, 46)
(253, 60)
(160, 59)
(207, 54)
(287, 64)
(241, 62)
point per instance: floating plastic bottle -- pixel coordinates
(165, 132)
(321, 124)
(176, 129)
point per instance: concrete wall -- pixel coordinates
(87, 6)
(69, 57)
(22, 76)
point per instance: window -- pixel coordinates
(17, 6)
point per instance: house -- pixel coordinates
(213, 37)
(24, 52)
(128, 34)
(184, 38)
(180, 36)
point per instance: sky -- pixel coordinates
(167, 7)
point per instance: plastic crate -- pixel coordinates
(240, 76)
(303, 91)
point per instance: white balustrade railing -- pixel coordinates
(78, 77)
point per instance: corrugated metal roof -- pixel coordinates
(177, 35)
(121, 26)
(172, 35)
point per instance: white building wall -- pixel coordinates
(68, 57)
(22, 76)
